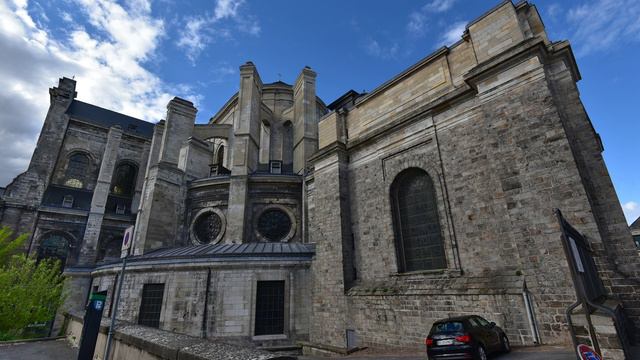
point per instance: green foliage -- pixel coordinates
(7, 246)
(30, 290)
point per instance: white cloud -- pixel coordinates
(194, 37)
(439, 5)
(417, 23)
(374, 48)
(419, 19)
(200, 31)
(631, 211)
(109, 68)
(453, 33)
(604, 24)
(227, 8)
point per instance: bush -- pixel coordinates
(30, 290)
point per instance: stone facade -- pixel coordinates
(492, 129)
(495, 120)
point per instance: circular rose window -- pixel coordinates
(274, 224)
(208, 227)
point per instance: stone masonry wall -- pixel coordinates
(501, 157)
(231, 302)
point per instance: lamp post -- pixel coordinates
(126, 249)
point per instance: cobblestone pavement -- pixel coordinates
(39, 350)
(542, 352)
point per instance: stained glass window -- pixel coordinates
(419, 240)
(207, 227)
(124, 179)
(274, 224)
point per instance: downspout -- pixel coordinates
(206, 305)
(526, 296)
(303, 238)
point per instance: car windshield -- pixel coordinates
(448, 327)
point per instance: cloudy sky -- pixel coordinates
(132, 56)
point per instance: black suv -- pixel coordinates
(465, 337)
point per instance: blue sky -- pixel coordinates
(133, 56)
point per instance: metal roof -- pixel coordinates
(107, 118)
(252, 250)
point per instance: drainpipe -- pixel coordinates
(526, 296)
(303, 236)
(206, 305)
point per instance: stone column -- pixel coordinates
(305, 119)
(245, 150)
(160, 218)
(89, 245)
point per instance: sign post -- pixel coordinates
(91, 325)
(127, 239)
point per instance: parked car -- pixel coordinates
(465, 337)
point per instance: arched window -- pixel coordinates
(419, 242)
(124, 180)
(220, 156)
(54, 245)
(265, 142)
(77, 170)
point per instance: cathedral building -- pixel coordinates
(355, 223)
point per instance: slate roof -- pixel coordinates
(107, 118)
(274, 249)
(635, 225)
(224, 252)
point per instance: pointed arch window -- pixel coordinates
(124, 180)
(77, 170)
(220, 156)
(418, 237)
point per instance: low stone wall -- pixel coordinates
(135, 342)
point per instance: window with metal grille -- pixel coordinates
(270, 308)
(419, 240)
(151, 305)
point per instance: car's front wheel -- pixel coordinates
(506, 347)
(482, 353)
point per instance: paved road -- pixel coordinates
(537, 353)
(39, 350)
(61, 350)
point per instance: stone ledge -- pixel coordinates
(173, 346)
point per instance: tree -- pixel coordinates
(7, 246)
(30, 290)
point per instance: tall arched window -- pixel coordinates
(54, 245)
(77, 170)
(287, 143)
(419, 242)
(124, 180)
(220, 156)
(265, 142)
